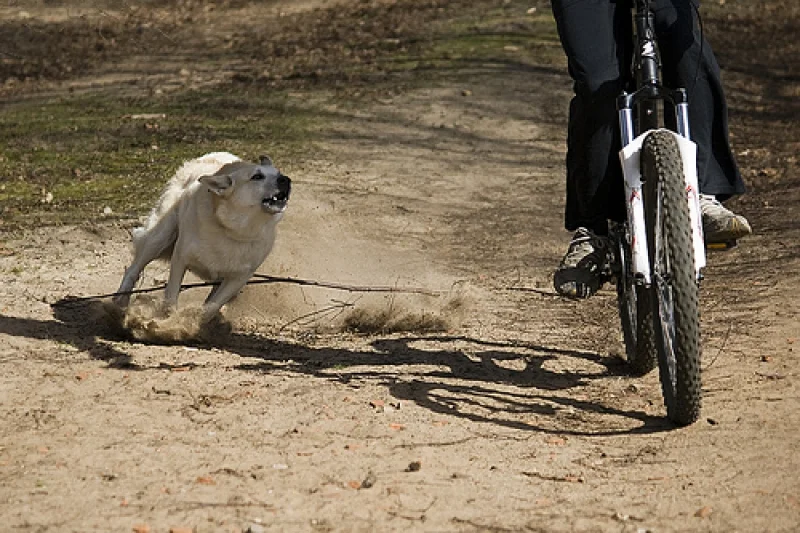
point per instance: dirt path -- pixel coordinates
(517, 416)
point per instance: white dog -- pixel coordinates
(216, 218)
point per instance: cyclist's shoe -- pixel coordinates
(585, 267)
(721, 225)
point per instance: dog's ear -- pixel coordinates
(218, 184)
(265, 160)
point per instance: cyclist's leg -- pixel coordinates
(690, 62)
(595, 36)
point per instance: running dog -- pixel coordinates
(217, 218)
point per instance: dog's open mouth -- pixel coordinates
(276, 203)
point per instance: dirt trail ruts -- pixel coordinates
(518, 416)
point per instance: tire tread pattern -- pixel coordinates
(661, 163)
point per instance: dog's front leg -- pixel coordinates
(222, 294)
(129, 279)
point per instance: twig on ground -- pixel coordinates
(339, 308)
(719, 352)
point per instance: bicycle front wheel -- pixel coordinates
(674, 288)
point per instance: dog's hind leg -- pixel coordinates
(222, 294)
(149, 245)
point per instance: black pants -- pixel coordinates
(597, 38)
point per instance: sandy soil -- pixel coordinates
(515, 414)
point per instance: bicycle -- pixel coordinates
(658, 251)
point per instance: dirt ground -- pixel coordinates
(493, 405)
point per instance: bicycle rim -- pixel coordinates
(674, 288)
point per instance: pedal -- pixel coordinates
(722, 246)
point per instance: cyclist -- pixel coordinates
(597, 38)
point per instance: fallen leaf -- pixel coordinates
(206, 480)
(376, 403)
(397, 426)
(354, 484)
(181, 530)
(141, 528)
(556, 441)
(704, 512)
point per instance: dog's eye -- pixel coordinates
(258, 177)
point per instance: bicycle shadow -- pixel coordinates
(506, 383)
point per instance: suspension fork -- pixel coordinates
(638, 112)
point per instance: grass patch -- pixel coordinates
(69, 159)
(66, 160)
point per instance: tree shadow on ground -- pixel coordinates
(456, 375)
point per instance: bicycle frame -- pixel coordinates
(648, 96)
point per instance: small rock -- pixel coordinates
(414, 466)
(255, 528)
(107, 211)
(369, 481)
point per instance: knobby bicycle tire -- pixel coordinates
(635, 312)
(674, 289)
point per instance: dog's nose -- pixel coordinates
(284, 183)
